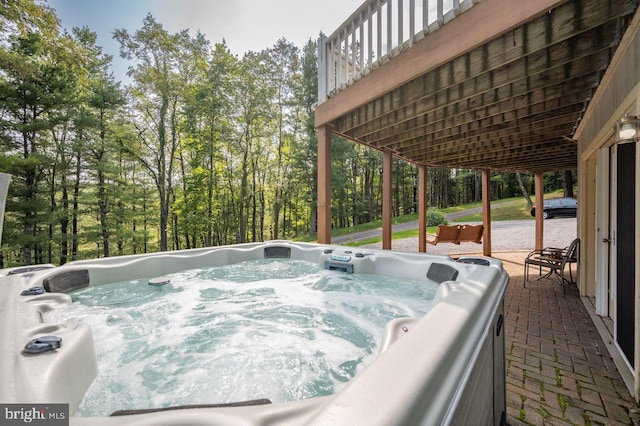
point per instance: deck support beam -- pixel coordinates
(387, 197)
(486, 212)
(324, 185)
(539, 189)
(422, 209)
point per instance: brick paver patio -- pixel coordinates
(559, 371)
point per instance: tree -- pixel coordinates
(208, 121)
(568, 183)
(25, 17)
(40, 73)
(247, 150)
(525, 193)
(159, 83)
(305, 155)
(285, 77)
(103, 98)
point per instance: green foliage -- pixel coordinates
(41, 73)
(435, 218)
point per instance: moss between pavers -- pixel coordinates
(562, 402)
(513, 417)
(533, 415)
(523, 393)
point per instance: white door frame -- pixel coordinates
(613, 267)
(602, 232)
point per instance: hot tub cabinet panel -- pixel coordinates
(445, 368)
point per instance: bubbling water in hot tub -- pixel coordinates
(276, 329)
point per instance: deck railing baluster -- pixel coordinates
(370, 36)
(412, 21)
(338, 55)
(354, 49)
(400, 22)
(343, 57)
(323, 87)
(425, 15)
(389, 27)
(379, 35)
(361, 45)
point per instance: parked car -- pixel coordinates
(566, 206)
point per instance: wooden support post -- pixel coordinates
(387, 197)
(539, 189)
(324, 185)
(422, 209)
(486, 212)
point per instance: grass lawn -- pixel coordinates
(361, 227)
(510, 210)
(409, 233)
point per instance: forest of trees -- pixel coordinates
(200, 148)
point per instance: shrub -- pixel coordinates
(435, 218)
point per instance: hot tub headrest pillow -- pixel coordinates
(67, 281)
(439, 272)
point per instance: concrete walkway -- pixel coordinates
(558, 369)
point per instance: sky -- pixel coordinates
(244, 24)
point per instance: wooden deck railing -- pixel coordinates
(375, 33)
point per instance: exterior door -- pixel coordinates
(624, 249)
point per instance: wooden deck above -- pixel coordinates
(503, 86)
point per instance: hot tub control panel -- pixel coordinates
(344, 260)
(340, 258)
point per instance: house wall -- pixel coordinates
(617, 94)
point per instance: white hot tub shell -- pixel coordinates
(447, 369)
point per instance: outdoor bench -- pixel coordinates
(457, 234)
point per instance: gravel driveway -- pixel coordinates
(508, 235)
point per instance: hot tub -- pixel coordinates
(444, 368)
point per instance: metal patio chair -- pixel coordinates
(555, 260)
